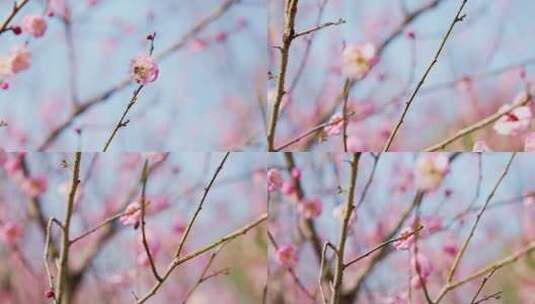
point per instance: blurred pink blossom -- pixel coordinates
(287, 188)
(19, 59)
(286, 256)
(310, 208)
(34, 186)
(35, 25)
(429, 170)
(131, 215)
(422, 268)
(406, 241)
(274, 180)
(10, 233)
(358, 59)
(513, 123)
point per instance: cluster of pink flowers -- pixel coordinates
(358, 60)
(17, 61)
(429, 170)
(144, 69)
(276, 182)
(286, 256)
(33, 186)
(34, 25)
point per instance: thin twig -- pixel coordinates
(342, 238)
(291, 271)
(16, 8)
(122, 121)
(319, 27)
(462, 250)
(203, 276)
(143, 232)
(480, 288)
(458, 18)
(480, 124)
(287, 39)
(382, 245)
(64, 250)
(481, 272)
(322, 266)
(105, 95)
(345, 94)
(312, 131)
(180, 260)
(199, 207)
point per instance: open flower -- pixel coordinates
(286, 256)
(34, 25)
(310, 208)
(514, 122)
(430, 169)
(144, 69)
(358, 60)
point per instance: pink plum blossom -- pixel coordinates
(514, 122)
(34, 186)
(144, 69)
(406, 241)
(429, 170)
(358, 59)
(422, 268)
(288, 188)
(274, 180)
(131, 215)
(335, 126)
(10, 233)
(35, 25)
(296, 173)
(286, 256)
(19, 59)
(310, 208)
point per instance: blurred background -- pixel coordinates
(112, 263)
(447, 213)
(205, 97)
(479, 70)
